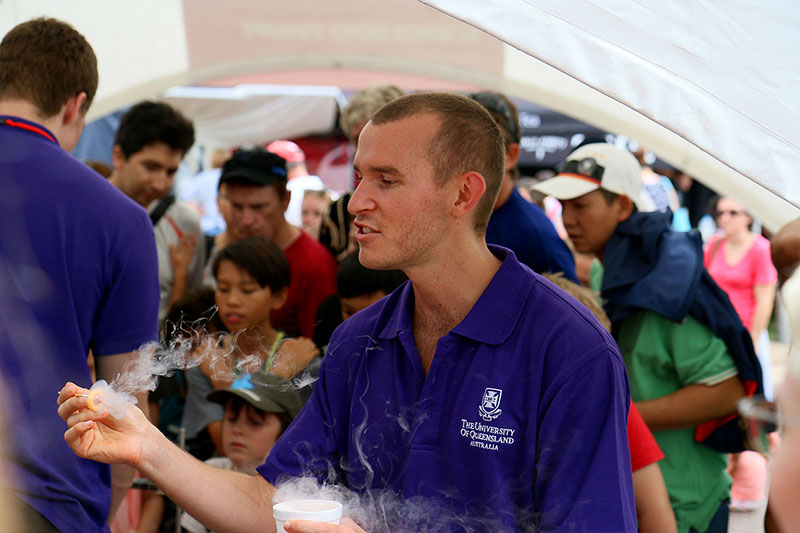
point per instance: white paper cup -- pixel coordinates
(328, 511)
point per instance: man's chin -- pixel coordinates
(372, 262)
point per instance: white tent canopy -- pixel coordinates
(711, 86)
(715, 86)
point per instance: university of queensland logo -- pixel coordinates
(490, 405)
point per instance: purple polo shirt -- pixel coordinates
(519, 424)
(78, 271)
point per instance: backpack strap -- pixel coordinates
(161, 208)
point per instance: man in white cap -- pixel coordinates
(298, 180)
(688, 360)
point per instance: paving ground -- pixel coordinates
(747, 522)
(753, 521)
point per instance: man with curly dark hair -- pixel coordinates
(148, 148)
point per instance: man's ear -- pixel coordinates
(471, 188)
(72, 108)
(625, 207)
(117, 157)
(512, 156)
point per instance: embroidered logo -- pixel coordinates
(490, 405)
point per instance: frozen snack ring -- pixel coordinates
(95, 400)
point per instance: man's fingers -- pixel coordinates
(68, 391)
(307, 526)
(83, 415)
(352, 525)
(74, 433)
(70, 406)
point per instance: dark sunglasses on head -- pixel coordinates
(496, 104)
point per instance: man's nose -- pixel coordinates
(162, 182)
(360, 200)
(247, 217)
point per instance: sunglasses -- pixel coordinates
(586, 168)
(730, 213)
(496, 104)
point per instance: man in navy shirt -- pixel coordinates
(477, 391)
(78, 272)
(516, 223)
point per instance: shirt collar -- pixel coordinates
(29, 127)
(493, 317)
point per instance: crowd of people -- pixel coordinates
(429, 337)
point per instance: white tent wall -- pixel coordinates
(140, 46)
(710, 86)
(567, 95)
(715, 83)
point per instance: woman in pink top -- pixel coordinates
(740, 263)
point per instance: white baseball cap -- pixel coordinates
(598, 166)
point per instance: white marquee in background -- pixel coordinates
(712, 87)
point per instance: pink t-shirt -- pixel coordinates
(738, 280)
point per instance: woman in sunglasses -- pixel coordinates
(739, 261)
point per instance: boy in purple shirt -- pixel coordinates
(477, 387)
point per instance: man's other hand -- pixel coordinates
(308, 526)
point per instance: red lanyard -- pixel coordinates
(24, 126)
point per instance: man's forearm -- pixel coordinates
(692, 405)
(221, 499)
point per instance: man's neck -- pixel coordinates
(448, 290)
(285, 235)
(113, 179)
(28, 111)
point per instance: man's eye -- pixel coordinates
(387, 181)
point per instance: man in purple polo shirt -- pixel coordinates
(478, 392)
(78, 272)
